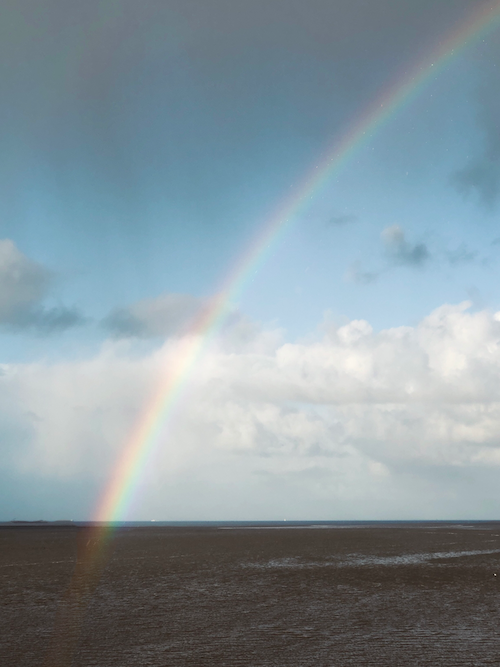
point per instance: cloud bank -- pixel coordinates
(354, 424)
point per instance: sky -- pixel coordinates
(144, 148)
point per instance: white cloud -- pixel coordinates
(349, 424)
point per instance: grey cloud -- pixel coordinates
(51, 320)
(402, 252)
(172, 314)
(24, 285)
(461, 255)
(482, 175)
(150, 318)
(124, 120)
(23, 282)
(343, 219)
(355, 274)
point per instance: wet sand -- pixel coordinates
(378, 594)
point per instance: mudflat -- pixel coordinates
(324, 595)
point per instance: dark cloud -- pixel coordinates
(123, 324)
(150, 318)
(356, 274)
(461, 255)
(116, 99)
(24, 284)
(481, 176)
(344, 219)
(46, 321)
(400, 251)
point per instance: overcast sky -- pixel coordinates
(144, 145)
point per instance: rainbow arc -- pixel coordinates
(126, 476)
(125, 479)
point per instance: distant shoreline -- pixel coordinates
(36, 524)
(289, 524)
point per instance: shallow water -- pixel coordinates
(391, 595)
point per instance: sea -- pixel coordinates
(277, 594)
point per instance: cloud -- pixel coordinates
(400, 251)
(23, 282)
(52, 320)
(24, 285)
(343, 219)
(461, 255)
(481, 176)
(355, 274)
(160, 317)
(171, 315)
(274, 427)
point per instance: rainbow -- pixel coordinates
(94, 543)
(118, 495)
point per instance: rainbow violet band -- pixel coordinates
(123, 483)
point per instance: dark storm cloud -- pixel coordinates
(400, 251)
(121, 100)
(24, 285)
